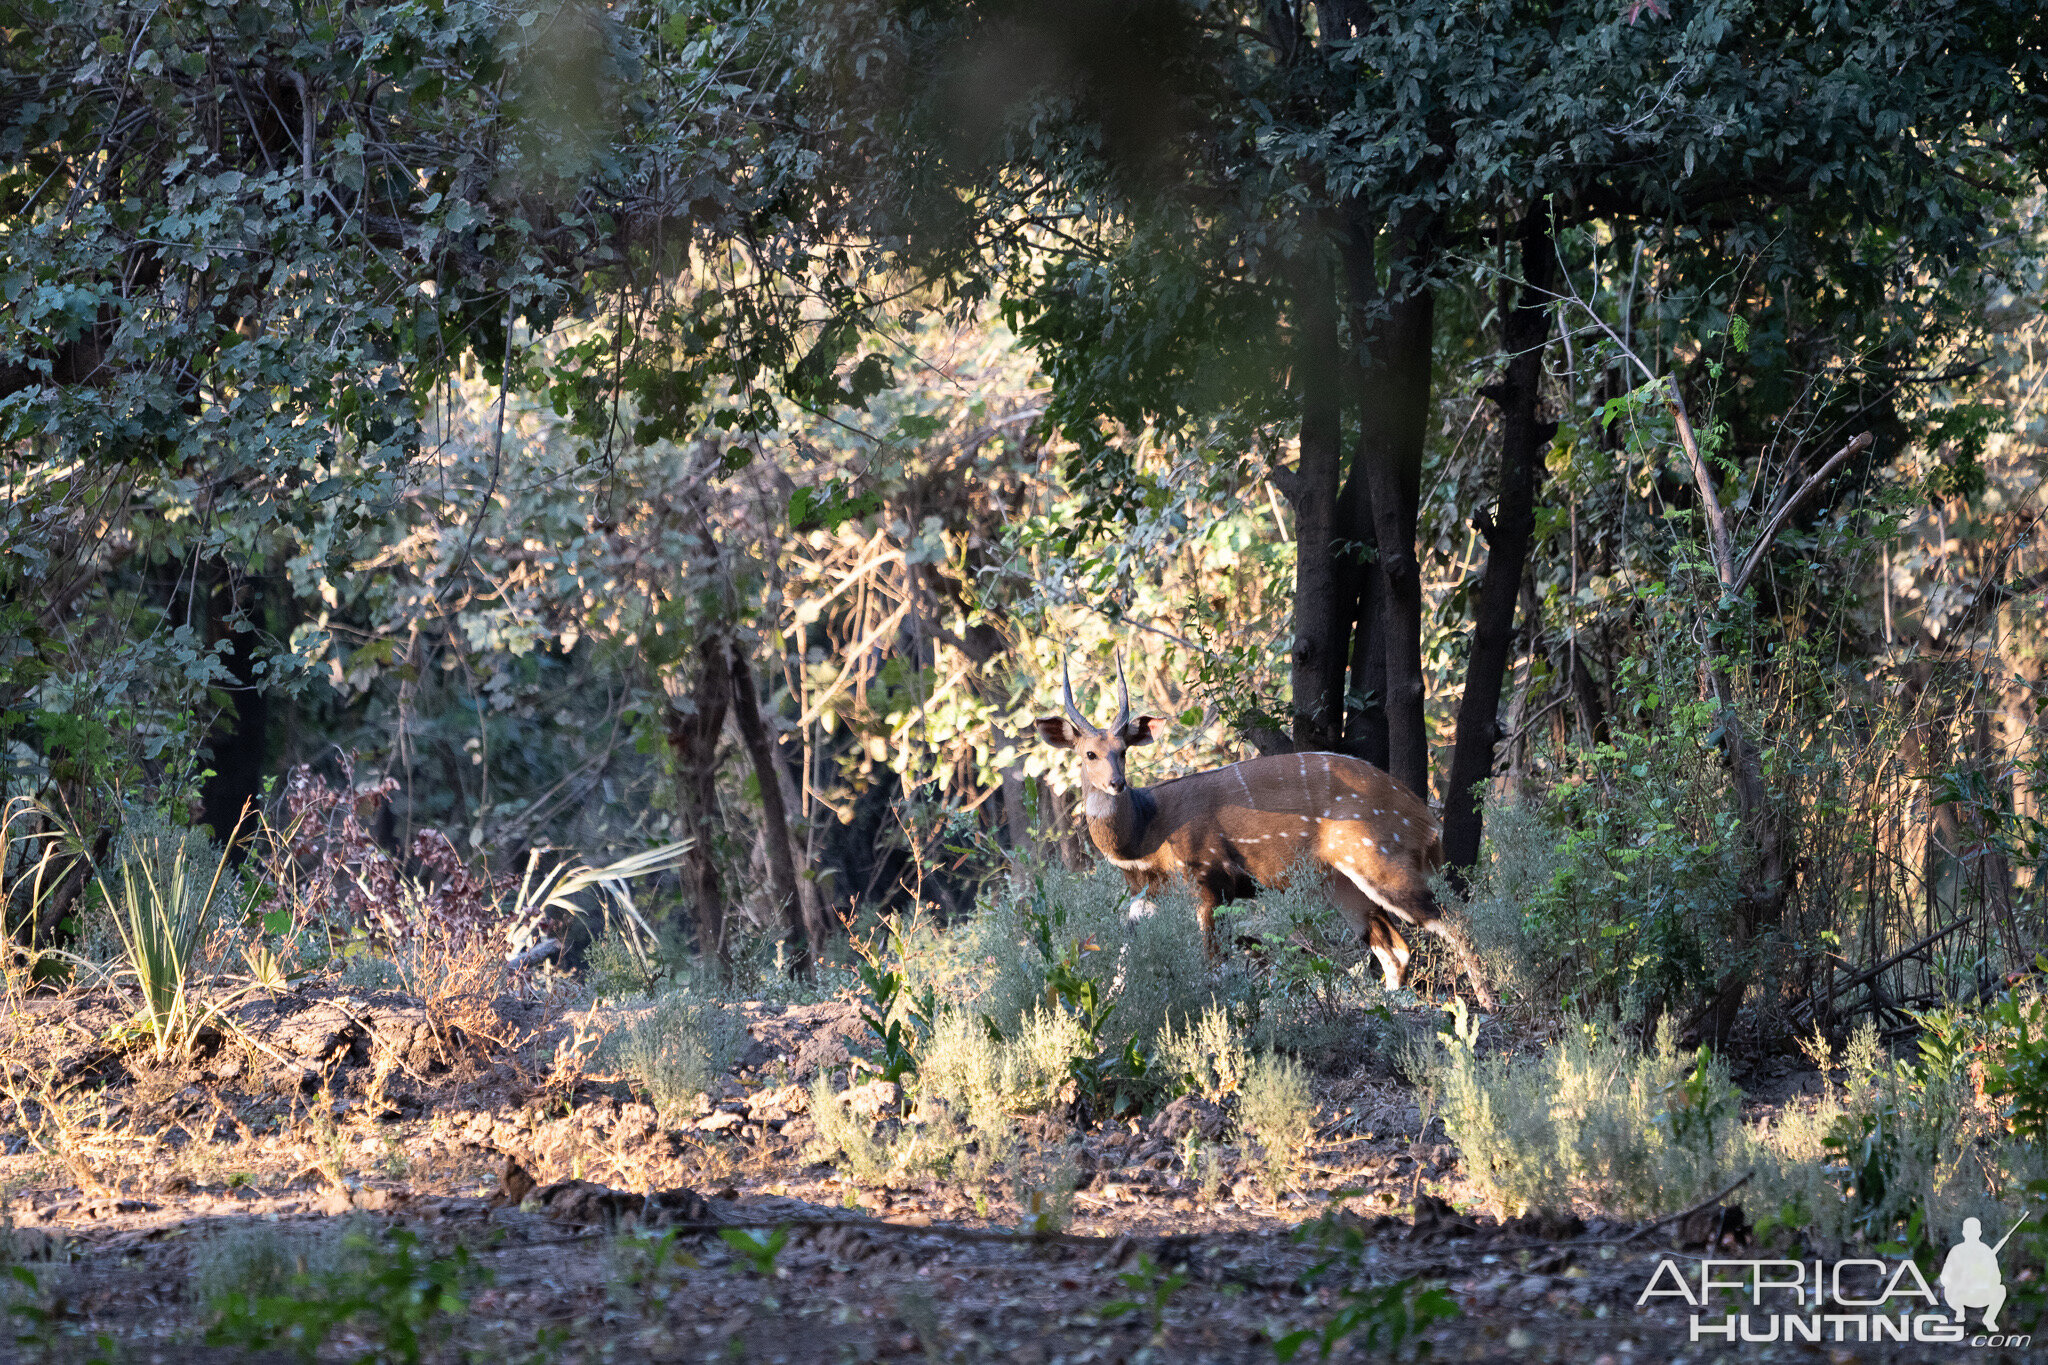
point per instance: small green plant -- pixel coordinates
(618, 965)
(1383, 1317)
(674, 1048)
(1276, 1115)
(1150, 1290)
(887, 986)
(1699, 1107)
(2017, 1070)
(1205, 1056)
(39, 1328)
(1047, 1201)
(1108, 1079)
(162, 914)
(1386, 1315)
(642, 1264)
(398, 1299)
(758, 1247)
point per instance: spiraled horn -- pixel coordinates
(1073, 711)
(1123, 698)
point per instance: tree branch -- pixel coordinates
(1791, 505)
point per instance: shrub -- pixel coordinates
(399, 1297)
(1150, 971)
(674, 1046)
(1904, 1148)
(941, 1140)
(612, 968)
(1899, 1150)
(1276, 1120)
(1596, 1119)
(966, 1067)
(1205, 1056)
(168, 889)
(261, 1260)
(1615, 886)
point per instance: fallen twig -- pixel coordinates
(1683, 1214)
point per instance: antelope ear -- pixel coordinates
(1055, 730)
(1144, 729)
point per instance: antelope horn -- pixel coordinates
(1073, 711)
(1123, 698)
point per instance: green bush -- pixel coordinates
(1276, 1119)
(1615, 887)
(674, 1046)
(1150, 971)
(1595, 1120)
(1205, 1056)
(940, 1140)
(399, 1298)
(1899, 1152)
(965, 1066)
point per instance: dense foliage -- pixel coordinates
(717, 424)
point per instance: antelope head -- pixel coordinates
(1101, 751)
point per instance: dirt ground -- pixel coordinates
(570, 1225)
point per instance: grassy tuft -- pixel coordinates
(1276, 1116)
(674, 1046)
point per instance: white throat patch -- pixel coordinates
(1101, 805)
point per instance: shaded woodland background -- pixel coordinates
(656, 422)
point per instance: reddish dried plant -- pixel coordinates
(344, 873)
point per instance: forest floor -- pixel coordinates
(571, 1225)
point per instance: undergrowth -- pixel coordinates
(1897, 1152)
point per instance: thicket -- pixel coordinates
(659, 439)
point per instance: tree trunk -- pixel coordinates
(240, 742)
(1365, 719)
(1321, 616)
(807, 941)
(1396, 394)
(694, 723)
(1523, 439)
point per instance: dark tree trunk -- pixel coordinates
(1366, 734)
(807, 941)
(1586, 692)
(1523, 439)
(1395, 394)
(1321, 611)
(240, 742)
(695, 723)
(1363, 593)
(1365, 718)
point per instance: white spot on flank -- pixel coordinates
(1397, 836)
(1404, 819)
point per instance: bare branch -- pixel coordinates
(1791, 505)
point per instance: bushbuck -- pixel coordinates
(1229, 831)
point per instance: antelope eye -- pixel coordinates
(1093, 754)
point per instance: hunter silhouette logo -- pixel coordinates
(1970, 1278)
